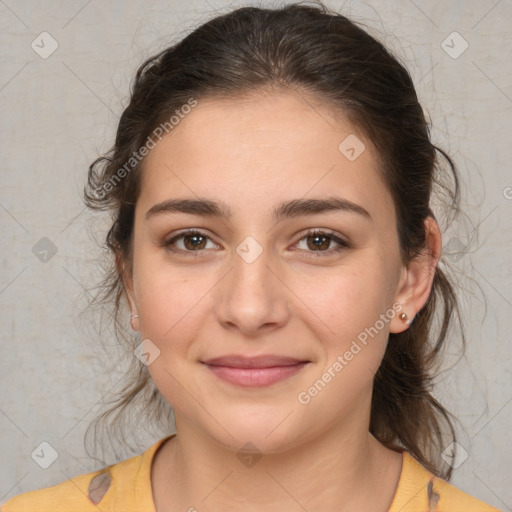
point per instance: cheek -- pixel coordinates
(344, 301)
(170, 301)
(352, 334)
(172, 317)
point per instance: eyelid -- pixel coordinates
(333, 235)
(189, 231)
(337, 238)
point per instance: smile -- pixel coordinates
(258, 371)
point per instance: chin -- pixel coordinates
(258, 431)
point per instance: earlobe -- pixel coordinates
(417, 278)
(134, 322)
(134, 317)
(127, 283)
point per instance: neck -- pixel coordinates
(343, 468)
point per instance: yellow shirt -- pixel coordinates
(126, 487)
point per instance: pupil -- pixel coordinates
(319, 241)
(196, 240)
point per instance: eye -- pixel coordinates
(190, 241)
(319, 242)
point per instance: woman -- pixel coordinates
(273, 239)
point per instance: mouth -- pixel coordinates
(259, 371)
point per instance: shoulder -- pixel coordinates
(74, 494)
(125, 484)
(418, 489)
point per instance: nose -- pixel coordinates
(252, 299)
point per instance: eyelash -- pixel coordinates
(342, 244)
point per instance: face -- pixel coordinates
(300, 287)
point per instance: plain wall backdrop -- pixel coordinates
(65, 76)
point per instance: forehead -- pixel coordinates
(262, 147)
(284, 122)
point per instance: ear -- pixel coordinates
(125, 271)
(417, 277)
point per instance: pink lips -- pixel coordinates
(258, 371)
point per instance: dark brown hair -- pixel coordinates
(323, 55)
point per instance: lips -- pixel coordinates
(266, 361)
(258, 371)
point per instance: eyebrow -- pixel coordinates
(287, 209)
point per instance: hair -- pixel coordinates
(321, 54)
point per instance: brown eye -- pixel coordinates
(194, 242)
(319, 242)
(188, 242)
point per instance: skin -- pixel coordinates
(252, 153)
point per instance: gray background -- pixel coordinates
(59, 113)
